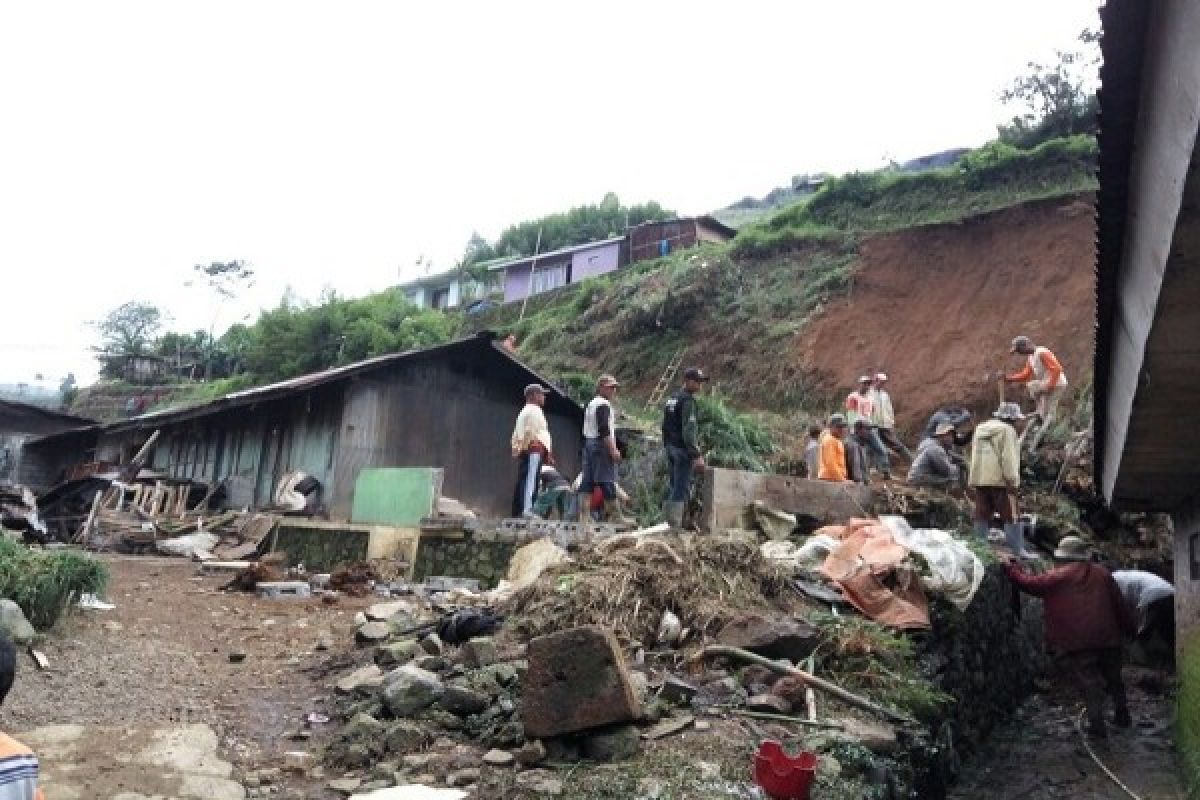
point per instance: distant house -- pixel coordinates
(448, 289)
(21, 423)
(451, 407)
(655, 239)
(140, 369)
(531, 275)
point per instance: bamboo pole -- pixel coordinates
(809, 679)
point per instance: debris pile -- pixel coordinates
(19, 513)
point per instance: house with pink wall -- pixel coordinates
(530, 275)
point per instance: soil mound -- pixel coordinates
(936, 307)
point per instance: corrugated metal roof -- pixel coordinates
(555, 253)
(482, 344)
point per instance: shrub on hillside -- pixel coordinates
(43, 583)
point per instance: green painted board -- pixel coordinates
(400, 496)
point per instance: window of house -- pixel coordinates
(440, 298)
(545, 279)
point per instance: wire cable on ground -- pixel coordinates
(1099, 763)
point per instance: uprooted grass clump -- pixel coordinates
(43, 583)
(863, 656)
(704, 581)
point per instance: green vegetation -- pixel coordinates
(730, 438)
(43, 583)
(862, 655)
(992, 177)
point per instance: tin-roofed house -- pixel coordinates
(530, 275)
(22, 424)
(450, 407)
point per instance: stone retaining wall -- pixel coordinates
(481, 554)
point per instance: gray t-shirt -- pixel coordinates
(1140, 589)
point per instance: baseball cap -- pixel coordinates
(694, 374)
(943, 428)
(608, 380)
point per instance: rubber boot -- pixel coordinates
(981, 528)
(614, 516)
(673, 512)
(1014, 534)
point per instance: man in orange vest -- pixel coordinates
(1044, 377)
(833, 452)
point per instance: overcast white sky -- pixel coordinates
(332, 143)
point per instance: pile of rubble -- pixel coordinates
(19, 513)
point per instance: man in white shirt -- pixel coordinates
(532, 447)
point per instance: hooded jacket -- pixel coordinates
(995, 456)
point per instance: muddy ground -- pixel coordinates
(162, 658)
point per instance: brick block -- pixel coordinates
(577, 680)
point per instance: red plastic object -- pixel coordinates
(781, 776)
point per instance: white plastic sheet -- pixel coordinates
(955, 571)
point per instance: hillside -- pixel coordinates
(925, 276)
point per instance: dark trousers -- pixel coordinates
(1094, 673)
(528, 465)
(679, 464)
(889, 438)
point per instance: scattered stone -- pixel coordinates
(703, 725)
(397, 653)
(878, 737)
(616, 743)
(669, 727)
(324, 642)
(409, 689)
(677, 690)
(418, 760)
(432, 644)
(828, 767)
(773, 636)
(404, 737)
(382, 612)
(540, 782)
(769, 703)
(373, 632)
(479, 652)
(442, 719)
(463, 777)
(531, 753)
(723, 687)
(790, 688)
(359, 743)
(367, 679)
(463, 701)
(297, 760)
(360, 619)
(498, 758)
(237, 656)
(757, 675)
(345, 786)
(577, 680)
(432, 663)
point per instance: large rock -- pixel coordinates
(408, 689)
(577, 679)
(364, 680)
(404, 737)
(13, 623)
(382, 612)
(618, 743)
(397, 653)
(373, 632)
(463, 701)
(770, 635)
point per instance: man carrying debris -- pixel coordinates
(1085, 622)
(883, 417)
(934, 466)
(531, 446)
(680, 434)
(833, 452)
(18, 764)
(1044, 378)
(600, 453)
(1151, 602)
(856, 445)
(812, 451)
(996, 474)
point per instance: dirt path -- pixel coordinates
(162, 659)
(1038, 754)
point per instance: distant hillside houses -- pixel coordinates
(517, 278)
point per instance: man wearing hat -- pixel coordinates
(833, 453)
(883, 417)
(1044, 377)
(680, 434)
(532, 447)
(1086, 620)
(600, 453)
(996, 473)
(857, 444)
(934, 465)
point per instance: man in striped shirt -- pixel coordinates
(18, 764)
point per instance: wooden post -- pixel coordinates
(537, 248)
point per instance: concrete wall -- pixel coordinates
(727, 493)
(516, 278)
(1187, 656)
(597, 261)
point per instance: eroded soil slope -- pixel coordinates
(936, 307)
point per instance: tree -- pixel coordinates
(129, 329)
(1056, 99)
(68, 390)
(225, 279)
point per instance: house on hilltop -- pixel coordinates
(530, 275)
(444, 290)
(451, 407)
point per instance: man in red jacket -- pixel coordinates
(1086, 622)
